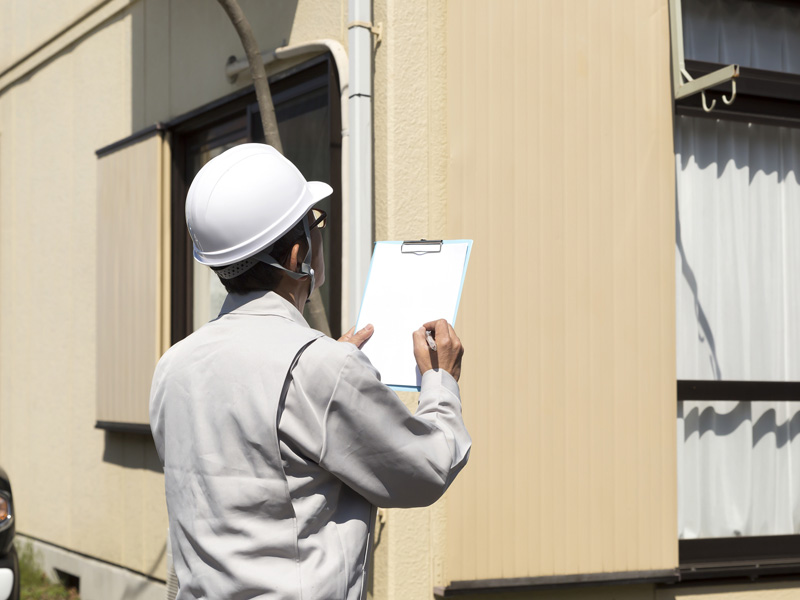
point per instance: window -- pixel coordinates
(738, 293)
(307, 108)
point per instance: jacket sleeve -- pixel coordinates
(371, 441)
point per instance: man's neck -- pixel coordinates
(294, 291)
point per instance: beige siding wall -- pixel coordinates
(132, 309)
(562, 172)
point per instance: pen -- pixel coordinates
(431, 341)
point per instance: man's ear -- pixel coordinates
(294, 258)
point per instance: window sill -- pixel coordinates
(135, 428)
(551, 582)
(739, 557)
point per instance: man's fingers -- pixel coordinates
(420, 342)
(358, 338)
(439, 327)
(425, 357)
(441, 330)
(454, 337)
(347, 336)
(361, 336)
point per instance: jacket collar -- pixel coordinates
(261, 303)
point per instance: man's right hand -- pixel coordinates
(448, 351)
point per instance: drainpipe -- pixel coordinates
(358, 232)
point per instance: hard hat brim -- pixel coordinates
(319, 190)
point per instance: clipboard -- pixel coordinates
(409, 283)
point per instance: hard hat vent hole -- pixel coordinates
(236, 269)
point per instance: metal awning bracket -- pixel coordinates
(691, 86)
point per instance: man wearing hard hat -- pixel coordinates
(278, 443)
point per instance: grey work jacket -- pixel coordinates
(271, 499)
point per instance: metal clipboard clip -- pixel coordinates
(421, 246)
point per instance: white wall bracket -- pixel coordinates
(375, 29)
(681, 88)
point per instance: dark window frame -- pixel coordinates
(748, 557)
(188, 129)
(767, 98)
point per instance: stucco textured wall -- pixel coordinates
(410, 203)
(25, 25)
(139, 62)
(74, 486)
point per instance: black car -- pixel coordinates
(9, 565)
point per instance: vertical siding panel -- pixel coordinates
(558, 176)
(501, 185)
(517, 552)
(600, 293)
(624, 305)
(581, 353)
(601, 529)
(545, 226)
(129, 272)
(530, 465)
(569, 367)
(484, 170)
(646, 301)
(560, 142)
(164, 257)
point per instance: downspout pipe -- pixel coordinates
(360, 222)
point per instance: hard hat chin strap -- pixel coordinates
(305, 269)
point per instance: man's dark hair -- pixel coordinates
(261, 276)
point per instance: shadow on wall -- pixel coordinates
(134, 590)
(179, 49)
(132, 451)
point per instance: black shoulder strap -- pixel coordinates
(288, 380)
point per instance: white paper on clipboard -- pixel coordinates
(404, 290)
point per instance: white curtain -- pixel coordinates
(738, 318)
(761, 35)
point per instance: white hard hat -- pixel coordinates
(244, 200)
